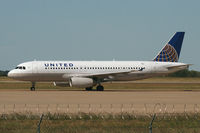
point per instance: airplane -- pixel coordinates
(88, 74)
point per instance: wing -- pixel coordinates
(106, 76)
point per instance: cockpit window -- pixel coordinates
(21, 67)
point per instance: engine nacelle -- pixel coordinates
(61, 84)
(81, 82)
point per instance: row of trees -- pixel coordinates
(3, 73)
(183, 73)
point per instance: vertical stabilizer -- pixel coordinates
(171, 51)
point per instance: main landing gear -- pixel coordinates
(98, 88)
(88, 89)
(33, 86)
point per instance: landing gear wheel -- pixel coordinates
(88, 89)
(100, 88)
(32, 88)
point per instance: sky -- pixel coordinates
(96, 30)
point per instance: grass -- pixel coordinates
(161, 84)
(4, 78)
(155, 79)
(54, 123)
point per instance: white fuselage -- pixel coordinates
(87, 74)
(62, 71)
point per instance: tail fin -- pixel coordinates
(171, 51)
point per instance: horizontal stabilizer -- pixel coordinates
(179, 67)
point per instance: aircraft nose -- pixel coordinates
(11, 74)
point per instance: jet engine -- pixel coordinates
(61, 84)
(81, 82)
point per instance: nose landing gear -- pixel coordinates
(33, 86)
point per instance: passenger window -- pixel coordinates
(24, 67)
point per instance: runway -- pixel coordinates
(106, 99)
(94, 97)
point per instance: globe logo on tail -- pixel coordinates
(168, 54)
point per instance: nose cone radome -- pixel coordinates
(11, 74)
